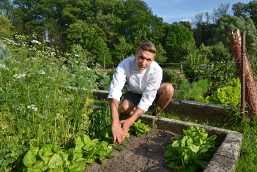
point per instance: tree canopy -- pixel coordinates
(114, 28)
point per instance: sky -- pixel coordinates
(179, 10)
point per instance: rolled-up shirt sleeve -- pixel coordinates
(150, 92)
(118, 81)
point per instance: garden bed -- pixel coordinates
(142, 153)
(229, 142)
(145, 153)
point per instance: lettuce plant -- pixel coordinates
(191, 151)
(228, 95)
(52, 158)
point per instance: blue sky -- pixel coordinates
(177, 10)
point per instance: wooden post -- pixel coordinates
(243, 75)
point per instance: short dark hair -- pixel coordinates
(147, 46)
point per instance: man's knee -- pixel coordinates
(167, 89)
(126, 109)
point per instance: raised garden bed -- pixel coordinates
(224, 159)
(145, 153)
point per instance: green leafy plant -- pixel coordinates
(228, 95)
(192, 91)
(52, 158)
(191, 151)
(139, 128)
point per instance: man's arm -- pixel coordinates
(117, 131)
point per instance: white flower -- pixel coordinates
(19, 75)
(41, 72)
(3, 66)
(36, 42)
(53, 53)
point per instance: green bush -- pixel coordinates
(192, 91)
(173, 77)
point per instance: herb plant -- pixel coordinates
(191, 151)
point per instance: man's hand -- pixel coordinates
(125, 125)
(117, 132)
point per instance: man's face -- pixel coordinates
(144, 59)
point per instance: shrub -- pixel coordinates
(192, 91)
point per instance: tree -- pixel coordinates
(220, 12)
(251, 9)
(160, 54)
(122, 49)
(227, 23)
(177, 42)
(83, 33)
(101, 52)
(240, 9)
(6, 7)
(6, 27)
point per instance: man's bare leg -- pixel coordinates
(127, 107)
(165, 93)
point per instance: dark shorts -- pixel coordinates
(135, 97)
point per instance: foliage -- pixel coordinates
(103, 80)
(178, 42)
(192, 68)
(218, 72)
(45, 98)
(4, 52)
(122, 49)
(139, 128)
(220, 53)
(6, 27)
(172, 76)
(192, 91)
(106, 135)
(52, 158)
(228, 23)
(160, 55)
(228, 95)
(191, 151)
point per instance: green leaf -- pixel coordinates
(194, 148)
(32, 170)
(45, 152)
(30, 157)
(55, 161)
(178, 137)
(77, 167)
(39, 165)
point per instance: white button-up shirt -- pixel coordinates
(145, 82)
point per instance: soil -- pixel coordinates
(142, 154)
